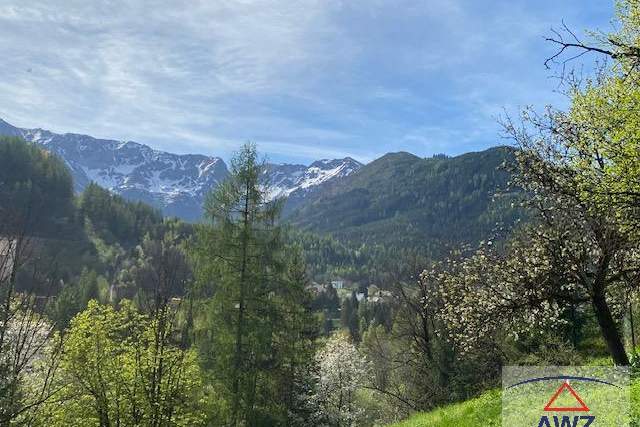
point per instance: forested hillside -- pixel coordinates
(36, 190)
(75, 237)
(329, 258)
(405, 201)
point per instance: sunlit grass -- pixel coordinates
(481, 411)
(485, 410)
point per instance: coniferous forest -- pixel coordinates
(393, 296)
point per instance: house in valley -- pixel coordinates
(337, 284)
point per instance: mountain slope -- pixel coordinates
(298, 182)
(408, 201)
(175, 183)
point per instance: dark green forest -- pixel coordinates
(405, 201)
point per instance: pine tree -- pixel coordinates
(241, 260)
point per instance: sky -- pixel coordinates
(304, 80)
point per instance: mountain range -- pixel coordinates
(397, 200)
(402, 200)
(175, 183)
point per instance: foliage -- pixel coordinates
(28, 350)
(157, 271)
(35, 202)
(413, 364)
(603, 111)
(574, 255)
(580, 254)
(106, 375)
(74, 297)
(350, 316)
(328, 258)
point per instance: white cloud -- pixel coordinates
(300, 78)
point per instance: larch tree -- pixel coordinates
(242, 264)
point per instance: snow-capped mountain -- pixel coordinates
(175, 183)
(295, 182)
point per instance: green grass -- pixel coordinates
(481, 411)
(485, 411)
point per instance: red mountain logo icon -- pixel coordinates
(566, 388)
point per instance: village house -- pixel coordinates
(337, 284)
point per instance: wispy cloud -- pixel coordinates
(303, 79)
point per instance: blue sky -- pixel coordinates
(303, 79)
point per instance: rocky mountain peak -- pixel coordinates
(175, 183)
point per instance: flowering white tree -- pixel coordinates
(342, 370)
(574, 254)
(493, 293)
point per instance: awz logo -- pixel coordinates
(578, 420)
(566, 421)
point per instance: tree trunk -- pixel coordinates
(609, 329)
(241, 308)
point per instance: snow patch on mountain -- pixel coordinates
(175, 183)
(289, 179)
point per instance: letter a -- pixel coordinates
(544, 421)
